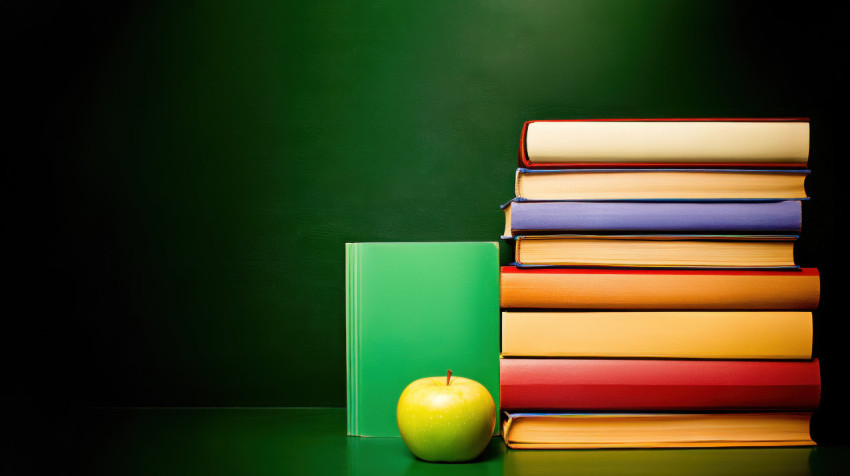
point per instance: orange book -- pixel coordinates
(564, 288)
(655, 430)
(658, 334)
(682, 251)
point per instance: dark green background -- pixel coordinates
(180, 177)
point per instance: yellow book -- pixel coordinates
(773, 461)
(683, 251)
(674, 184)
(646, 430)
(658, 334)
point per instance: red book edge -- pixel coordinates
(524, 162)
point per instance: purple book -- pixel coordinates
(529, 217)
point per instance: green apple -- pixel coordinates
(446, 419)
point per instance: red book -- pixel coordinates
(658, 385)
(672, 143)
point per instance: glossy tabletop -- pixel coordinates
(296, 441)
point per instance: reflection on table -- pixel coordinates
(308, 441)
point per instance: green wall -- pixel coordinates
(185, 174)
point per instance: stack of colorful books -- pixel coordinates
(655, 300)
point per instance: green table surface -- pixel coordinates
(295, 441)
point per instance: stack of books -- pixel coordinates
(655, 300)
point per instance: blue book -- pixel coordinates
(547, 217)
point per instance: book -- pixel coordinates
(583, 384)
(658, 334)
(655, 430)
(565, 288)
(660, 184)
(416, 310)
(530, 217)
(776, 142)
(773, 461)
(681, 251)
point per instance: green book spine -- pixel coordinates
(351, 281)
(415, 310)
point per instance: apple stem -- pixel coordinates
(449, 378)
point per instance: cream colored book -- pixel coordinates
(675, 142)
(680, 251)
(648, 430)
(740, 335)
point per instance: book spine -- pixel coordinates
(524, 161)
(663, 334)
(660, 184)
(352, 340)
(780, 217)
(560, 288)
(658, 385)
(658, 430)
(656, 251)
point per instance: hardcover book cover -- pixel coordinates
(660, 184)
(775, 461)
(685, 142)
(530, 217)
(655, 430)
(657, 251)
(617, 385)
(416, 310)
(658, 334)
(565, 288)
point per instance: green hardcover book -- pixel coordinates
(416, 310)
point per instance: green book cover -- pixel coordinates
(416, 310)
